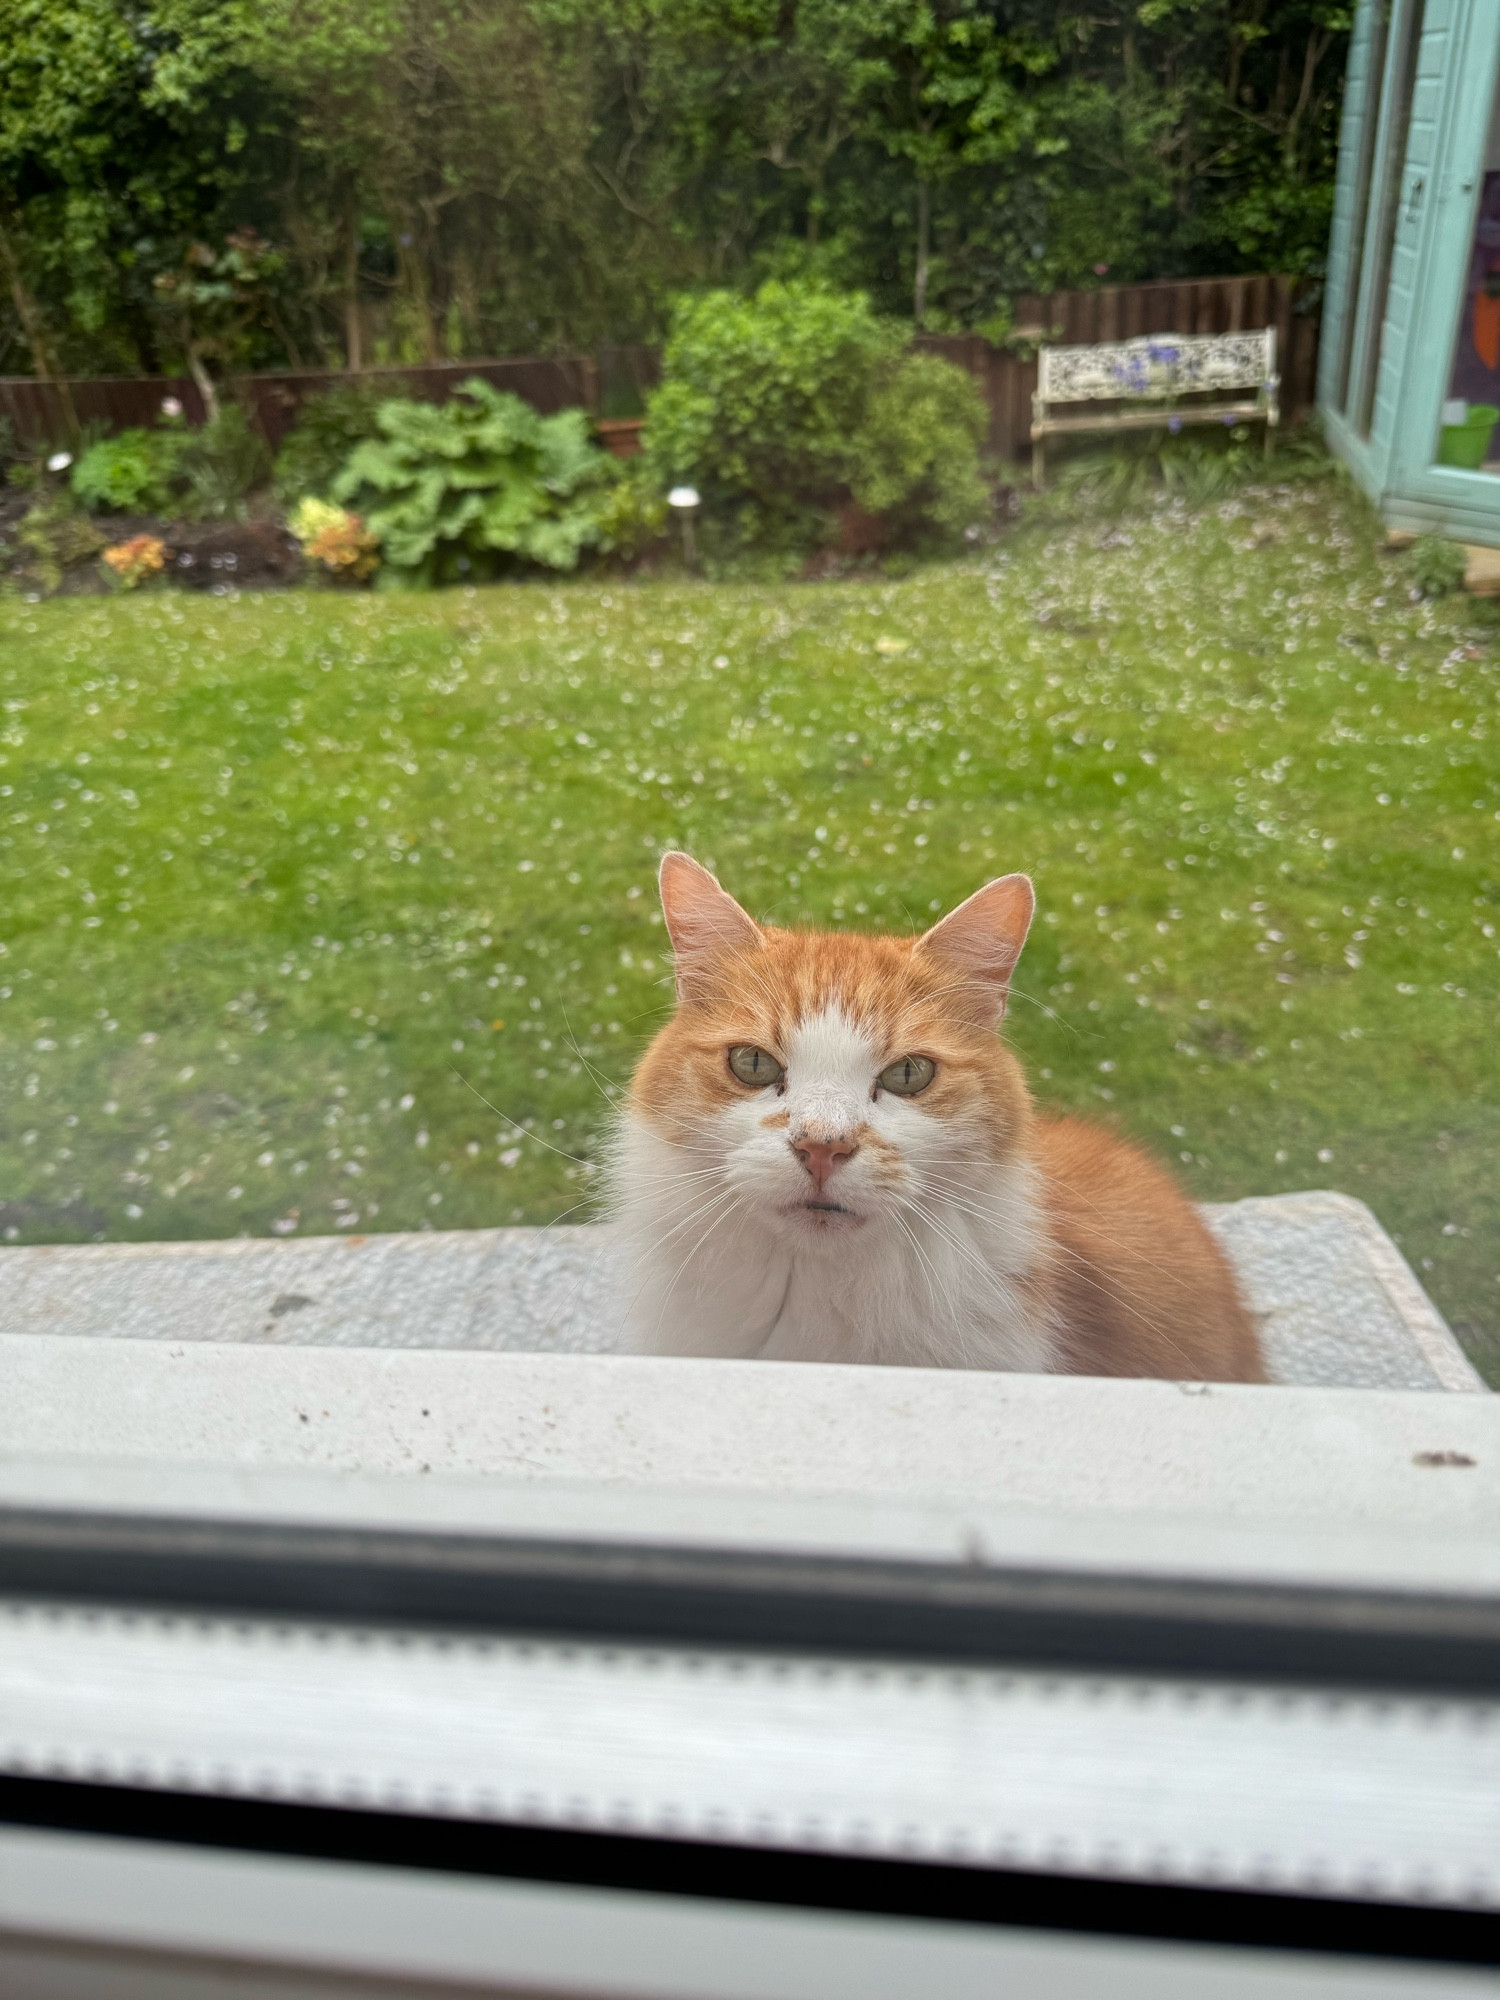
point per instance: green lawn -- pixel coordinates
(280, 872)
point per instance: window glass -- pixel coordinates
(1469, 428)
(454, 459)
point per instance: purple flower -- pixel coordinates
(1174, 425)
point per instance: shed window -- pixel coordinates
(1469, 430)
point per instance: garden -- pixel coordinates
(806, 428)
(332, 909)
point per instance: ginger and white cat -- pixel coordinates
(828, 1154)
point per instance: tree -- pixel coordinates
(451, 177)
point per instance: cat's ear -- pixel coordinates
(981, 940)
(703, 920)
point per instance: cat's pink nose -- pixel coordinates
(820, 1159)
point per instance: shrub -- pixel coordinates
(780, 407)
(631, 512)
(328, 427)
(136, 561)
(915, 457)
(57, 538)
(222, 464)
(1437, 567)
(464, 487)
(133, 472)
(759, 400)
(336, 540)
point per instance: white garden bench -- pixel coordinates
(1171, 378)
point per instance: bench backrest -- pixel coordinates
(1157, 365)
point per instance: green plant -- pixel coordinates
(915, 456)
(222, 464)
(57, 537)
(779, 407)
(328, 427)
(1195, 466)
(759, 402)
(133, 472)
(1437, 567)
(461, 488)
(630, 512)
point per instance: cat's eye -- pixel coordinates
(754, 1066)
(907, 1076)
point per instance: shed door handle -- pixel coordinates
(1414, 198)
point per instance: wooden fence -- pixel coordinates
(37, 410)
(614, 382)
(1007, 375)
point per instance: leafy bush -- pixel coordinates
(631, 512)
(759, 401)
(915, 457)
(206, 474)
(133, 472)
(460, 488)
(328, 427)
(222, 464)
(57, 537)
(1437, 567)
(779, 407)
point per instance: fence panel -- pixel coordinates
(38, 410)
(1007, 375)
(616, 382)
(548, 383)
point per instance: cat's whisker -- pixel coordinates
(923, 1259)
(1077, 1194)
(646, 1277)
(589, 1201)
(683, 1265)
(606, 1090)
(954, 1199)
(1020, 993)
(516, 1125)
(967, 1253)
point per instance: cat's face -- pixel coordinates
(830, 1082)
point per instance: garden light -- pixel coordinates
(683, 500)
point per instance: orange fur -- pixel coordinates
(1107, 1256)
(1142, 1288)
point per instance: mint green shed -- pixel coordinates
(1409, 375)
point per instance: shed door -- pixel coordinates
(1448, 449)
(1382, 204)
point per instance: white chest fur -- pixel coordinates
(944, 1278)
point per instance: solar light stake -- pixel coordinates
(683, 500)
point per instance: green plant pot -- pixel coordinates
(1467, 444)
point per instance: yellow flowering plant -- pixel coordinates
(335, 539)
